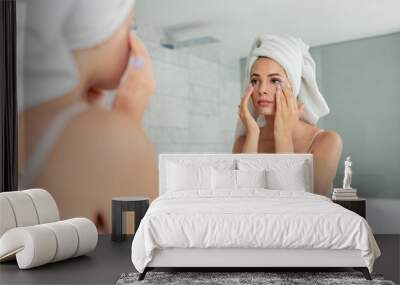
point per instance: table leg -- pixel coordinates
(117, 222)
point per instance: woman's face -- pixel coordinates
(264, 76)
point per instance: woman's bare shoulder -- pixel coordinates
(327, 142)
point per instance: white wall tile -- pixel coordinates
(204, 129)
(203, 72)
(169, 111)
(171, 80)
(194, 108)
(204, 93)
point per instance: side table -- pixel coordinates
(357, 205)
(120, 205)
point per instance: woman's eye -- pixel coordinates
(276, 81)
(254, 81)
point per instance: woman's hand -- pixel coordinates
(137, 84)
(286, 116)
(248, 120)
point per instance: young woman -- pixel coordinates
(70, 143)
(271, 96)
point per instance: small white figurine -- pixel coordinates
(347, 173)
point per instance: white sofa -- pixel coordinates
(31, 230)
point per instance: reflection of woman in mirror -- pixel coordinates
(281, 105)
(70, 143)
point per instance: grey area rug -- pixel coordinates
(225, 278)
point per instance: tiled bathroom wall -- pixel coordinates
(194, 108)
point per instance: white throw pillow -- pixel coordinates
(251, 178)
(224, 179)
(293, 179)
(188, 177)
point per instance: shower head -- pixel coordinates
(182, 35)
(189, 42)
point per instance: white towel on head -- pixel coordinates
(52, 30)
(294, 56)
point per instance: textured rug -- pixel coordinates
(225, 278)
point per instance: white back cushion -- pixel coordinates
(45, 205)
(7, 218)
(23, 208)
(26, 208)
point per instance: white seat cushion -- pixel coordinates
(67, 238)
(33, 246)
(23, 208)
(45, 205)
(87, 234)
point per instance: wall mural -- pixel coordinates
(99, 98)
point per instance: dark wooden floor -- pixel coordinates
(110, 260)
